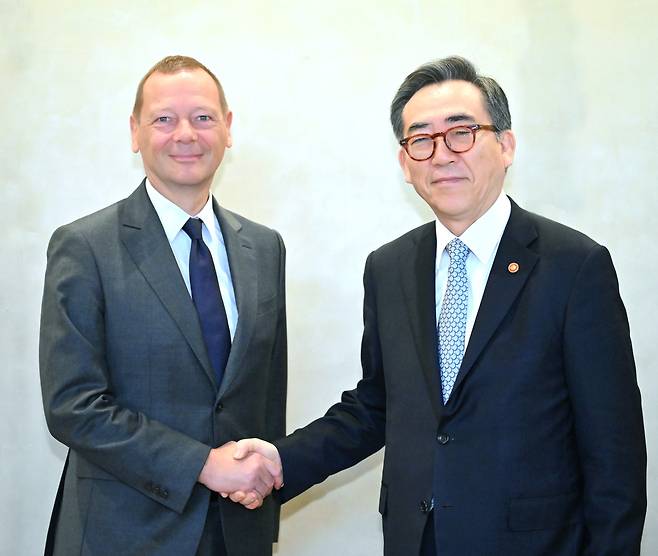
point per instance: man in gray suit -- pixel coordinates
(163, 337)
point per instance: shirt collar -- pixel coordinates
(484, 234)
(173, 217)
(207, 214)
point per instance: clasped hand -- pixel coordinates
(246, 471)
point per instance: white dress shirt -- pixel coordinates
(482, 238)
(173, 219)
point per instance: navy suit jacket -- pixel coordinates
(540, 449)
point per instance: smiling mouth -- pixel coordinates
(448, 180)
(185, 157)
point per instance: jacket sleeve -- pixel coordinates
(352, 429)
(80, 407)
(607, 409)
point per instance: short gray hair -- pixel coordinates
(449, 69)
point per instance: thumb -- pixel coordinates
(244, 447)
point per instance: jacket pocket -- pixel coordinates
(546, 512)
(86, 470)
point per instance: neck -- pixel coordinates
(458, 224)
(457, 228)
(189, 198)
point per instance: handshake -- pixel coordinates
(244, 471)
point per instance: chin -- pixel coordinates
(191, 179)
(449, 205)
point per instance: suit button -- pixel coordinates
(443, 438)
(164, 493)
(426, 506)
(219, 407)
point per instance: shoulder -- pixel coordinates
(549, 238)
(255, 231)
(563, 253)
(100, 225)
(239, 222)
(423, 236)
(105, 223)
(233, 218)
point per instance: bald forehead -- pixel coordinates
(191, 77)
(178, 83)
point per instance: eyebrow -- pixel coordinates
(454, 118)
(463, 117)
(416, 126)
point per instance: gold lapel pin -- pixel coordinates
(513, 268)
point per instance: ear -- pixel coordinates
(228, 119)
(508, 145)
(403, 159)
(134, 129)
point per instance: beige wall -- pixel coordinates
(310, 84)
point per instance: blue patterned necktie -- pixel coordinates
(208, 299)
(452, 319)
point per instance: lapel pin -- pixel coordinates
(513, 268)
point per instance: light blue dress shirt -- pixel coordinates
(482, 238)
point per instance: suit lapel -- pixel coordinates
(417, 274)
(244, 275)
(145, 240)
(503, 286)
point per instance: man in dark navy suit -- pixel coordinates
(497, 363)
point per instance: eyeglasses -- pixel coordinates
(458, 139)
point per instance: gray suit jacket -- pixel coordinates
(128, 387)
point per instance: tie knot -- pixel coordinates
(457, 250)
(193, 228)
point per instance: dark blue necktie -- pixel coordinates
(208, 299)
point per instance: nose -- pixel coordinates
(185, 132)
(442, 154)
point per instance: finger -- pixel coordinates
(262, 478)
(256, 504)
(278, 482)
(252, 501)
(273, 466)
(238, 496)
(262, 488)
(255, 475)
(275, 471)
